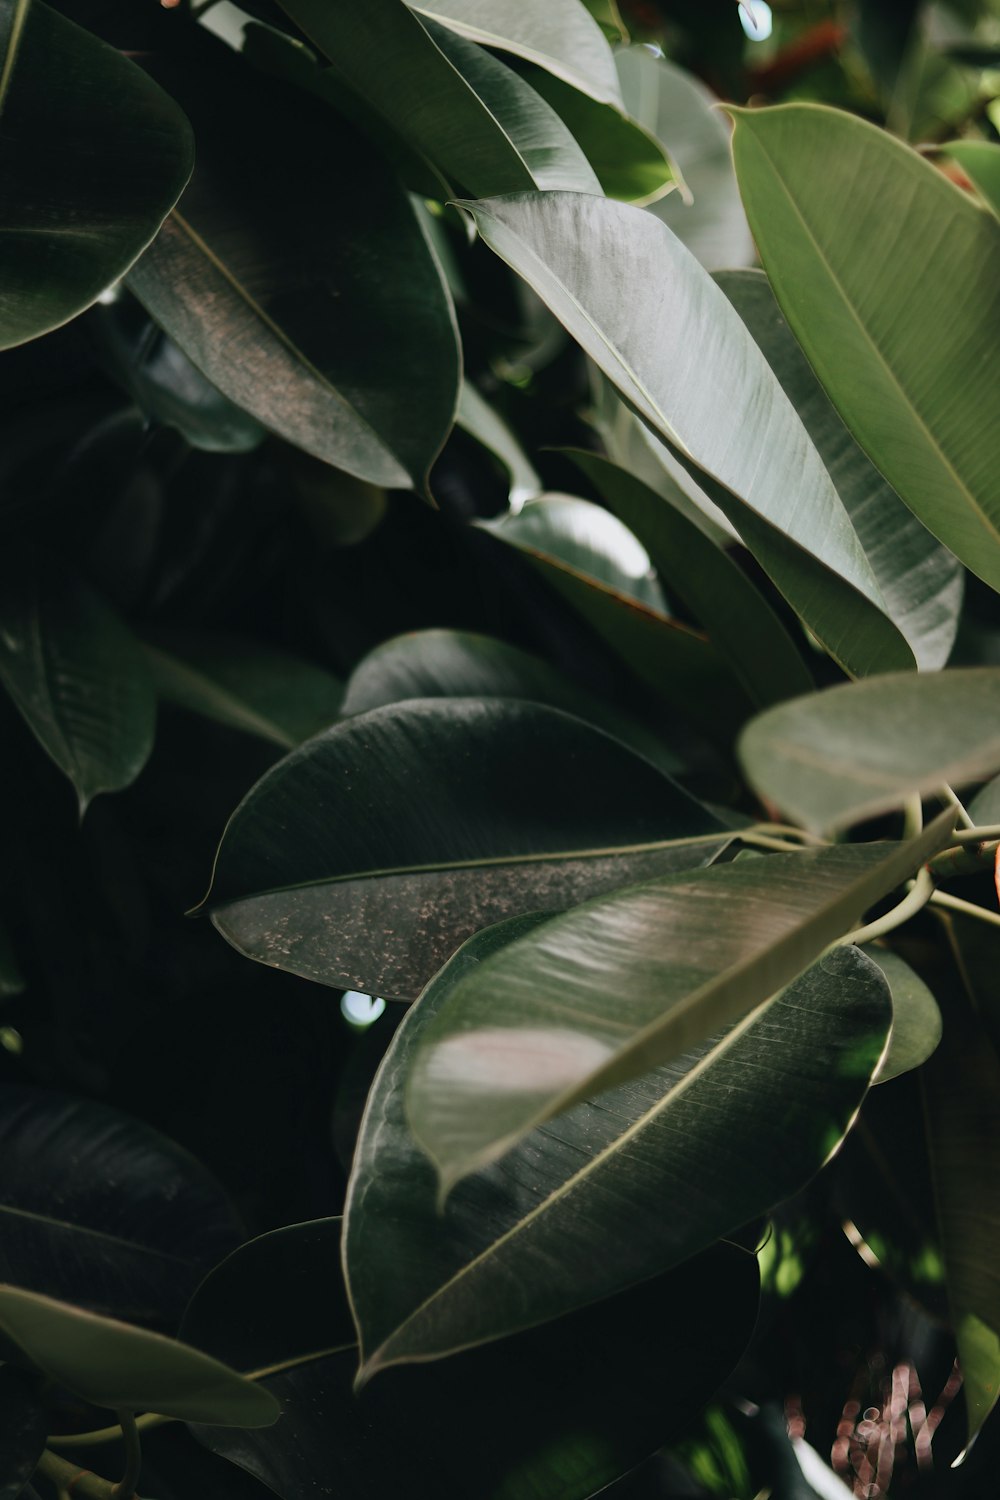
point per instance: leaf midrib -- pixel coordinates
(98, 1234)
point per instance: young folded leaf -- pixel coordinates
(618, 1189)
(128, 1369)
(628, 982)
(850, 752)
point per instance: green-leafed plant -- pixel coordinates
(521, 544)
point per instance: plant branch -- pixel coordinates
(951, 799)
(965, 908)
(100, 1435)
(920, 892)
(125, 1489)
(74, 1480)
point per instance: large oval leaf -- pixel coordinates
(368, 855)
(470, 118)
(628, 982)
(852, 751)
(113, 1364)
(93, 156)
(921, 582)
(668, 339)
(680, 112)
(558, 1413)
(99, 1209)
(271, 291)
(739, 620)
(76, 674)
(559, 36)
(461, 664)
(576, 1211)
(916, 1019)
(892, 336)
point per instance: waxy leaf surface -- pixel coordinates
(82, 196)
(365, 857)
(891, 333)
(630, 981)
(853, 751)
(575, 1212)
(676, 350)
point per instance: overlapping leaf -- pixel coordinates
(476, 417)
(920, 580)
(892, 334)
(558, 1412)
(575, 1212)
(82, 197)
(272, 292)
(678, 353)
(980, 161)
(76, 674)
(850, 752)
(628, 982)
(916, 1019)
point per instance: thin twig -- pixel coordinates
(966, 908)
(99, 1435)
(952, 799)
(125, 1488)
(921, 891)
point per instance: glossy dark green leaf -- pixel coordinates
(628, 982)
(22, 1432)
(852, 751)
(740, 622)
(476, 417)
(559, 36)
(469, 116)
(984, 807)
(116, 1365)
(11, 978)
(99, 1209)
(271, 291)
(82, 195)
(364, 858)
(559, 1412)
(921, 582)
(679, 354)
(575, 1212)
(890, 332)
(916, 1019)
(961, 1085)
(678, 663)
(176, 1467)
(76, 674)
(630, 162)
(460, 664)
(679, 110)
(980, 161)
(244, 685)
(168, 389)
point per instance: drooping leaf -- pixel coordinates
(678, 109)
(739, 621)
(167, 387)
(99, 1209)
(628, 982)
(476, 417)
(116, 1365)
(244, 685)
(921, 582)
(460, 664)
(559, 36)
(889, 334)
(471, 119)
(580, 563)
(365, 857)
(581, 1203)
(75, 673)
(916, 1019)
(676, 350)
(980, 161)
(630, 162)
(559, 1412)
(961, 1085)
(23, 1429)
(82, 196)
(272, 291)
(852, 751)
(609, 19)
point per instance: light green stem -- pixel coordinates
(966, 908)
(920, 892)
